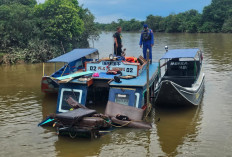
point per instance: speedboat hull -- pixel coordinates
(169, 93)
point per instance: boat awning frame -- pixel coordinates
(73, 55)
(181, 53)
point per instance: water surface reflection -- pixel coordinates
(176, 126)
(199, 131)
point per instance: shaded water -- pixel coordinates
(199, 131)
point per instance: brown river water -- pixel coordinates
(205, 130)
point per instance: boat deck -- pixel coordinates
(141, 80)
(103, 75)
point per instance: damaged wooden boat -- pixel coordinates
(126, 83)
(73, 62)
(126, 86)
(182, 78)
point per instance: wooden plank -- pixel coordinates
(74, 75)
(65, 80)
(139, 81)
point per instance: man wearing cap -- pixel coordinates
(147, 40)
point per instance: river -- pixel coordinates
(205, 130)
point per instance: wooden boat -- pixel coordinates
(119, 87)
(182, 81)
(125, 84)
(73, 63)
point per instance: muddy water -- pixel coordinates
(199, 131)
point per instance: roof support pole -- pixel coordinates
(148, 91)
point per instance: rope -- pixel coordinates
(74, 94)
(148, 110)
(64, 70)
(71, 134)
(121, 125)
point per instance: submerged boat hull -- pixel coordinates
(172, 94)
(48, 85)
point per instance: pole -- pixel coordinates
(148, 91)
(43, 69)
(148, 100)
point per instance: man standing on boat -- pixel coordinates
(147, 40)
(118, 42)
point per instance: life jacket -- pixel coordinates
(131, 59)
(146, 35)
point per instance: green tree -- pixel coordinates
(36, 33)
(227, 26)
(60, 22)
(154, 22)
(189, 21)
(215, 15)
(131, 25)
(17, 26)
(23, 2)
(90, 29)
(172, 23)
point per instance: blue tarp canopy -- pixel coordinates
(73, 55)
(180, 53)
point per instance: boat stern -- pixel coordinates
(48, 85)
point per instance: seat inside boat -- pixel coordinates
(183, 73)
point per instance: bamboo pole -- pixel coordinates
(148, 90)
(148, 100)
(43, 69)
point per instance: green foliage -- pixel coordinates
(155, 23)
(215, 18)
(60, 21)
(36, 51)
(227, 26)
(23, 2)
(38, 32)
(215, 15)
(17, 26)
(172, 23)
(189, 21)
(131, 25)
(90, 30)
(46, 51)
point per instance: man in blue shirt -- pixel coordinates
(147, 40)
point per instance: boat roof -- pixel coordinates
(73, 55)
(180, 53)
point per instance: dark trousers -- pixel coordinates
(145, 48)
(117, 50)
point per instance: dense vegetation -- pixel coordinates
(32, 32)
(217, 17)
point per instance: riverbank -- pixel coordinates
(1, 57)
